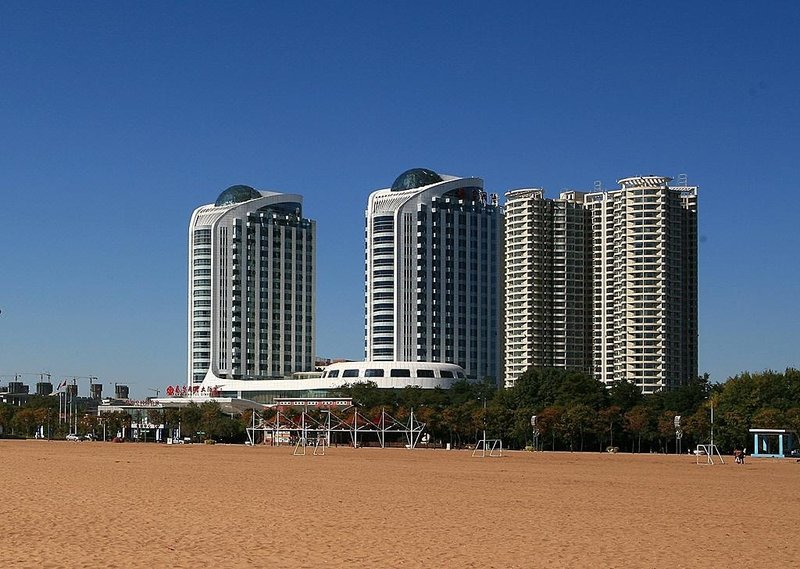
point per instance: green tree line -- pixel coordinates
(574, 412)
(199, 422)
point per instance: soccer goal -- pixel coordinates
(708, 451)
(488, 447)
(319, 443)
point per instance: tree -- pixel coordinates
(25, 421)
(769, 418)
(636, 422)
(666, 428)
(607, 418)
(625, 394)
(579, 418)
(686, 398)
(792, 419)
(549, 423)
(191, 418)
(541, 387)
(698, 425)
(6, 417)
(367, 394)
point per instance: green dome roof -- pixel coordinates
(236, 194)
(415, 178)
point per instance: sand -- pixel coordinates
(94, 504)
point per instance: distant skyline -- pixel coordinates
(120, 119)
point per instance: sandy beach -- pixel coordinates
(144, 505)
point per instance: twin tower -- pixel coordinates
(602, 281)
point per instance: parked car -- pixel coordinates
(73, 437)
(795, 452)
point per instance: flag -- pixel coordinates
(58, 389)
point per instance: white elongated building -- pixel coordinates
(433, 273)
(394, 375)
(252, 289)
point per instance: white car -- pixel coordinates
(73, 437)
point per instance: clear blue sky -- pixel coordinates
(118, 119)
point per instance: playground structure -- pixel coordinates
(316, 428)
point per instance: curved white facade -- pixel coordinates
(433, 273)
(386, 375)
(252, 287)
(427, 375)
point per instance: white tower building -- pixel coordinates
(252, 288)
(548, 272)
(645, 282)
(433, 273)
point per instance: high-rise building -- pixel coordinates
(252, 288)
(433, 273)
(605, 282)
(645, 282)
(548, 272)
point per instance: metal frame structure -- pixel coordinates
(493, 446)
(710, 449)
(310, 430)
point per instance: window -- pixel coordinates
(445, 373)
(350, 373)
(333, 373)
(425, 373)
(373, 373)
(400, 373)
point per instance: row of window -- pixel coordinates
(394, 372)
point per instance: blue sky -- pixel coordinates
(118, 119)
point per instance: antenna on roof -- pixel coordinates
(683, 180)
(598, 186)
